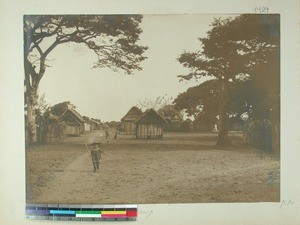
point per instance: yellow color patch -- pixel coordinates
(113, 212)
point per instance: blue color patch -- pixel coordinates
(62, 212)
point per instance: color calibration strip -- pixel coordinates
(81, 212)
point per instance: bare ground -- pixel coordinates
(181, 168)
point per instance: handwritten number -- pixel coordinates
(261, 9)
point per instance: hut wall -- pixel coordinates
(81, 128)
(87, 127)
(54, 133)
(72, 130)
(129, 128)
(149, 131)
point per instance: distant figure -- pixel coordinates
(107, 137)
(116, 135)
(215, 129)
(96, 155)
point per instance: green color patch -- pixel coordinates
(88, 212)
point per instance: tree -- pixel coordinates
(42, 106)
(170, 112)
(60, 108)
(201, 103)
(112, 38)
(232, 48)
(199, 100)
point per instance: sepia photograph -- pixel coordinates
(152, 109)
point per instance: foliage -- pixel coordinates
(232, 47)
(49, 129)
(113, 38)
(42, 106)
(263, 135)
(200, 99)
(235, 51)
(61, 108)
(169, 111)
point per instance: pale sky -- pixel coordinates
(108, 95)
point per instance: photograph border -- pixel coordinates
(13, 157)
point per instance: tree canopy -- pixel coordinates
(232, 47)
(200, 99)
(113, 38)
(237, 50)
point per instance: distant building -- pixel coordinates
(129, 120)
(75, 123)
(92, 124)
(87, 126)
(95, 124)
(150, 125)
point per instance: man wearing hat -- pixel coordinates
(96, 155)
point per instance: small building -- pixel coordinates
(92, 124)
(75, 123)
(49, 129)
(95, 124)
(129, 120)
(150, 125)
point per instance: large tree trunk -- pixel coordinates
(31, 101)
(32, 79)
(223, 139)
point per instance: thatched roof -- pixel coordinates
(151, 117)
(71, 113)
(132, 115)
(52, 117)
(78, 116)
(91, 120)
(95, 122)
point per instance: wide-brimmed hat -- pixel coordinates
(95, 143)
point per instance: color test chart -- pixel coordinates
(81, 212)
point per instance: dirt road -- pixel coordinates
(178, 169)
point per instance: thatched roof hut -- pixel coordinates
(132, 115)
(130, 118)
(49, 129)
(94, 124)
(150, 125)
(74, 121)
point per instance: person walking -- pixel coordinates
(96, 155)
(107, 135)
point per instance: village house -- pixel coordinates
(150, 125)
(87, 126)
(95, 124)
(49, 129)
(129, 120)
(75, 123)
(92, 124)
